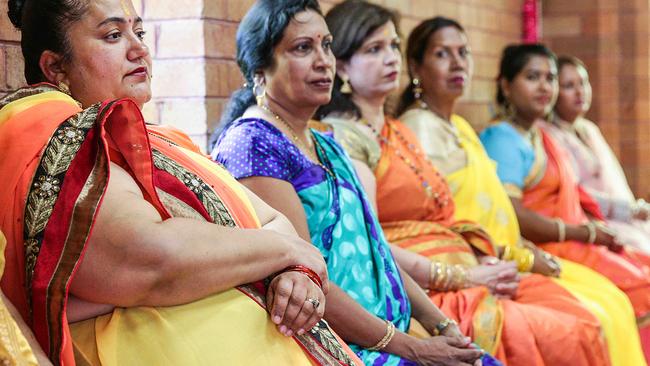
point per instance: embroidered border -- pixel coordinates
(26, 92)
(48, 179)
(212, 203)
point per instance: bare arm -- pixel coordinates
(135, 258)
(541, 229)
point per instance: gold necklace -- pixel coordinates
(296, 140)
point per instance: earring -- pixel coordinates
(63, 87)
(417, 89)
(346, 88)
(259, 95)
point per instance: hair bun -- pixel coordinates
(16, 12)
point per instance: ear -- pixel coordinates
(505, 87)
(413, 68)
(341, 70)
(51, 64)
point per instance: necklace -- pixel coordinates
(441, 200)
(296, 140)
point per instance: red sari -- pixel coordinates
(55, 166)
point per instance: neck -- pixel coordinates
(442, 107)
(568, 118)
(372, 110)
(525, 122)
(297, 118)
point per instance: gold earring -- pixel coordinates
(345, 87)
(259, 96)
(417, 89)
(63, 87)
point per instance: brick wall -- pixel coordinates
(611, 37)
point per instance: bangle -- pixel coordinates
(525, 260)
(592, 232)
(507, 253)
(383, 342)
(307, 272)
(440, 327)
(561, 230)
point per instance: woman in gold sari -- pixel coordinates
(125, 244)
(441, 67)
(521, 324)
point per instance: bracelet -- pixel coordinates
(507, 253)
(307, 272)
(440, 327)
(561, 230)
(446, 277)
(525, 260)
(592, 232)
(390, 332)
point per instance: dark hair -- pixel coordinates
(514, 59)
(43, 25)
(416, 47)
(259, 32)
(350, 23)
(569, 60)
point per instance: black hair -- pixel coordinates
(514, 59)
(259, 32)
(416, 48)
(351, 23)
(43, 25)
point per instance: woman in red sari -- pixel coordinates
(552, 209)
(125, 244)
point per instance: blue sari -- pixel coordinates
(341, 221)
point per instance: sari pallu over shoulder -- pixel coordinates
(56, 162)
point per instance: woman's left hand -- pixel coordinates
(295, 303)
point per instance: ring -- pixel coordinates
(314, 302)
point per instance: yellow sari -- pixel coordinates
(481, 197)
(58, 159)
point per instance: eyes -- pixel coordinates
(116, 35)
(536, 75)
(445, 52)
(395, 45)
(306, 46)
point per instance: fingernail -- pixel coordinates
(301, 331)
(276, 319)
(289, 333)
(283, 329)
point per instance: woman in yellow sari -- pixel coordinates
(125, 244)
(441, 67)
(523, 325)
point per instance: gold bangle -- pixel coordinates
(507, 253)
(433, 274)
(526, 260)
(561, 230)
(460, 277)
(440, 276)
(592, 232)
(383, 342)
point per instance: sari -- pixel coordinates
(524, 331)
(601, 175)
(340, 220)
(56, 181)
(538, 172)
(481, 198)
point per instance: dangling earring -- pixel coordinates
(63, 87)
(259, 95)
(346, 88)
(417, 93)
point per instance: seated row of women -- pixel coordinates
(127, 246)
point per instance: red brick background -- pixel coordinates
(193, 45)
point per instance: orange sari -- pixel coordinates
(55, 163)
(536, 327)
(557, 195)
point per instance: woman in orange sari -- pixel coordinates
(552, 209)
(415, 208)
(125, 244)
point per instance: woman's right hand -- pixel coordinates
(607, 238)
(305, 254)
(446, 351)
(502, 279)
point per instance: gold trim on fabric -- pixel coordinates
(48, 179)
(513, 191)
(210, 200)
(538, 169)
(25, 92)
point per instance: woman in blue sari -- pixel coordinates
(307, 176)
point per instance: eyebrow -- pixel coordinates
(117, 20)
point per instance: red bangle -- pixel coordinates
(307, 272)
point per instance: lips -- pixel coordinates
(322, 83)
(392, 75)
(544, 99)
(457, 80)
(139, 71)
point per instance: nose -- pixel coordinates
(137, 48)
(392, 57)
(458, 62)
(324, 58)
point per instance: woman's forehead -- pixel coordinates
(307, 23)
